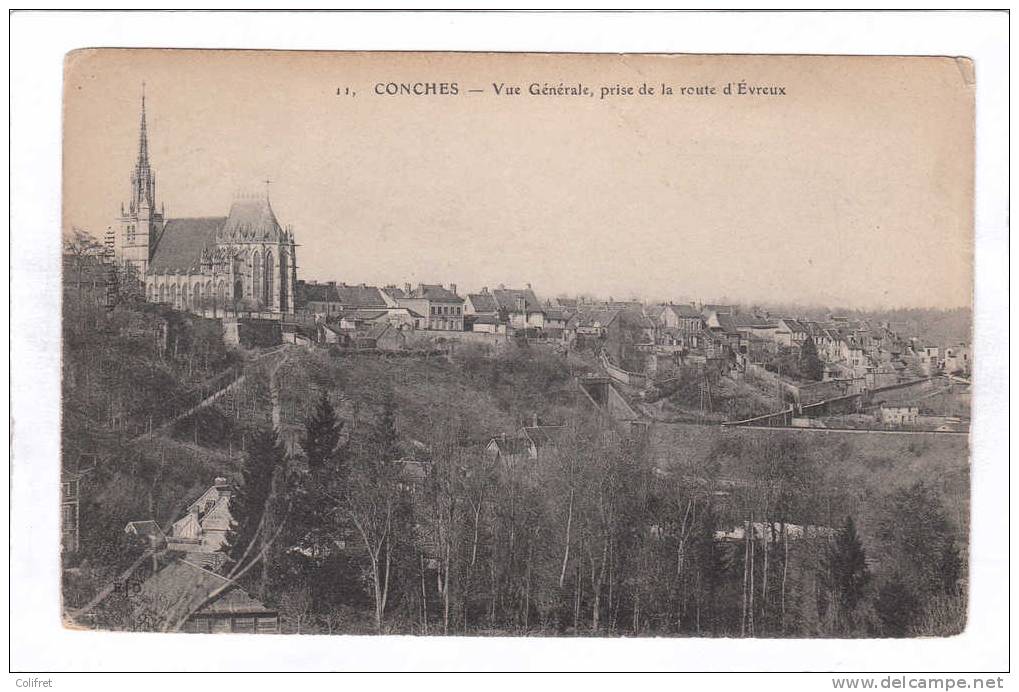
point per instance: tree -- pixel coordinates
(321, 434)
(918, 540)
(846, 569)
(810, 363)
(372, 505)
(250, 501)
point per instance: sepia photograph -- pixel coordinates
(516, 345)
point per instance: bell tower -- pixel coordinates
(139, 225)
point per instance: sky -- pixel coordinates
(854, 188)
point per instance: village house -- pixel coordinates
(204, 526)
(957, 360)
(485, 324)
(532, 443)
(928, 358)
(441, 308)
(755, 326)
(604, 324)
(366, 319)
(386, 336)
(790, 332)
(328, 299)
(148, 530)
(185, 596)
(482, 303)
(898, 415)
(520, 307)
(555, 318)
(723, 329)
(679, 324)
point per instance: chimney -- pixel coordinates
(528, 286)
(484, 290)
(332, 283)
(406, 288)
(534, 420)
(452, 289)
(502, 287)
(421, 287)
(363, 286)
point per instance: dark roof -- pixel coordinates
(348, 296)
(745, 320)
(543, 435)
(484, 319)
(484, 302)
(435, 293)
(144, 528)
(180, 245)
(379, 330)
(506, 298)
(252, 219)
(602, 318)
(234, 600)
(681, 310)
(726, 322)
(555, 314)
(726, 309)
(360, 296)
(366, 315)
(181, 587)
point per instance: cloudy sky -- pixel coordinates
(852, 189)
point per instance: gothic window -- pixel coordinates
(256, 273)
(283, 281)
(173, 296)
(162, 294)
(269, 284)
(198, 296)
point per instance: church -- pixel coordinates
(240, 263)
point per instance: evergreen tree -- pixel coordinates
(321, 434)
(249, 501)
(846, 564)
(810, 362)
(919, 540)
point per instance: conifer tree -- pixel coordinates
(846, 563)
(249, 501)
(810, 362)
(321, 434)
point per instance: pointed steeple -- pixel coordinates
(143, 136)
(143, 183)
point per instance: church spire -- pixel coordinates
(143, 136)
(143, 183)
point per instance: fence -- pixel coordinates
(634, 379)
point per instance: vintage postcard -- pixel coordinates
(516, 344)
